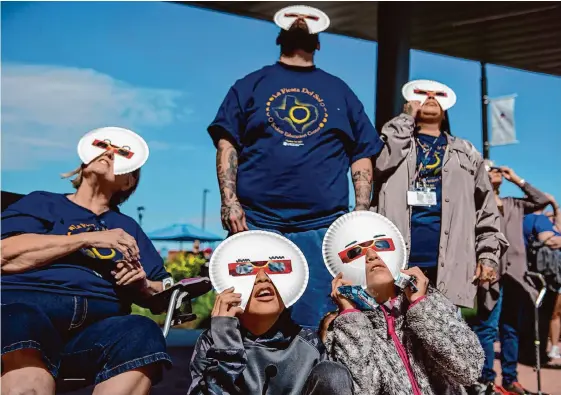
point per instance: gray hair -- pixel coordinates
(118, 197)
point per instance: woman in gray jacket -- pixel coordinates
(499, 308)
(456, 238)
(407, 343)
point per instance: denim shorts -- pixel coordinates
(81, 338)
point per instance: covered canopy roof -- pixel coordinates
(523, 35)
(183, 232)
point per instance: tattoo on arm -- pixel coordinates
(227, 172)
(362, 181)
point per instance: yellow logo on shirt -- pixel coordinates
(296, 113)
(92, 252)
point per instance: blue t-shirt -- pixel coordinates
(297, 131)
(534, 224)
(86, 272)
(425, 221)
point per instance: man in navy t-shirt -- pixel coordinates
(286, 136)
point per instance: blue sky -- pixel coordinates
(162, 70)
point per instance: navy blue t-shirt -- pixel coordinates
(534, 224)
(86, 272)
(297, 131)
(425, 221)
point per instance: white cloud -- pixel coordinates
(46, 109)
(163, 146)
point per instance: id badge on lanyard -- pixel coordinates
(421, 194)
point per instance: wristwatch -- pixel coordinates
(522, 182)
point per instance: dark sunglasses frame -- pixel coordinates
(258, 265)
(123, 151)
(365, 246)
(430, 93)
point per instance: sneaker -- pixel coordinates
(515, 389)
(501, 391)
(491, 389)
(554, 353)
(487, 388)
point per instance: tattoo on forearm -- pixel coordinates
(362, 175)
(362, 180)
(227, 171)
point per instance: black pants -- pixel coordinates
(329, 378)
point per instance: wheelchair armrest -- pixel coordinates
(188, 288)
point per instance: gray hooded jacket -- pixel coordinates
(229, 360)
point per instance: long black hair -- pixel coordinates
(445, 125)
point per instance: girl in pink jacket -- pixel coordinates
(410, 342)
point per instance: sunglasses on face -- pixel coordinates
(301, 16)
(248, 268)
(430, 93)
(358, 250)
(124, 151)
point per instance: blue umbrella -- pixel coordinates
(183, 232)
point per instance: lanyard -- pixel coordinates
(428, 155)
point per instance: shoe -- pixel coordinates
(486, 388)
(515, 389)
(491, 389)
(554, 353)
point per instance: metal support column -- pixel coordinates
(484, 117)
(205, 191)
(393, 59)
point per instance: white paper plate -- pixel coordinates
(122, 140)
(258, 245)
(410, 94)
(359, 227)
(317, 23)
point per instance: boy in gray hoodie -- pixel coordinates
(260, 350)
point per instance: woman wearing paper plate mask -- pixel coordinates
(253, 345)
(72, 264)
(394, 332)
(435, 189)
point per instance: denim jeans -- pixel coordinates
(315, 302)
(505, 320)
(88, 339)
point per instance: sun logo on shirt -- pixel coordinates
(296, 113)
(102, 253)
(299, 115)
